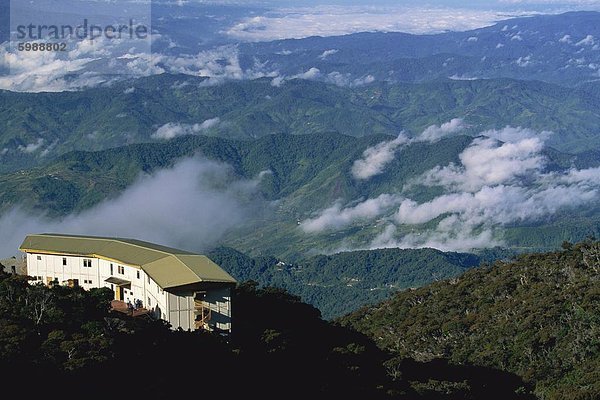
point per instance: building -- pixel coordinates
(187, 290)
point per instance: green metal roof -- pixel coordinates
(166, 266)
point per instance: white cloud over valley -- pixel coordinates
(191, 206)
(172, 129)
(501, 180)
(376, 158)
(338, 217)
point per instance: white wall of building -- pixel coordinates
(177, 309)
(219, 301)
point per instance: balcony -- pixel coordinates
(121, 306)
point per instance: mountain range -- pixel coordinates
(36, 127)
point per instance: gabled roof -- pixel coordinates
(166, 266)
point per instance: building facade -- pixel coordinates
(188, 290)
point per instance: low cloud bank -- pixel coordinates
(501, 180)
(190, 206)
(172, 129)
(376, 158)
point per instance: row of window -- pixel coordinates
(87, 263)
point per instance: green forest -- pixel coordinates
(340, 283)
(536, 317)
(513, 330)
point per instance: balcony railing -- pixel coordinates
(202, 315)
(121, 306)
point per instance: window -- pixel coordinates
(149, 302)
(87, 263)
(39, 258)
(87, 281)
(148, 279)
(64, 260)
(111, 268)
(138, 274)
(121, 269)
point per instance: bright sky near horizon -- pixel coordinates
(579, 4)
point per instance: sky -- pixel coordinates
(496, 4)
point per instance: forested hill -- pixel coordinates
(279, 348)
(539, 47)
(536, 317)
(340, 283)
(496, 332)
(35, 127)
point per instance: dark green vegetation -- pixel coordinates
(280, 347)
(341, 283)
(536, 317)
(103, 118)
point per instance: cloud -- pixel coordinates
(472, 217)
(32, 147)
(524, 61)
(488, 162)
(340, 79)
(434, 133)
(444, 241)
(191, 206)
(463, 77)
(172, 129)
(565, 39)
(36, 71)
(587, 41)
(107, 61)
(330, 20)
(327, 53)
(218, 64)
(312, 73)
(337, 217)
(516, 134)
(496, 184)
(375, 158)
(501, 180)
(336, 78)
